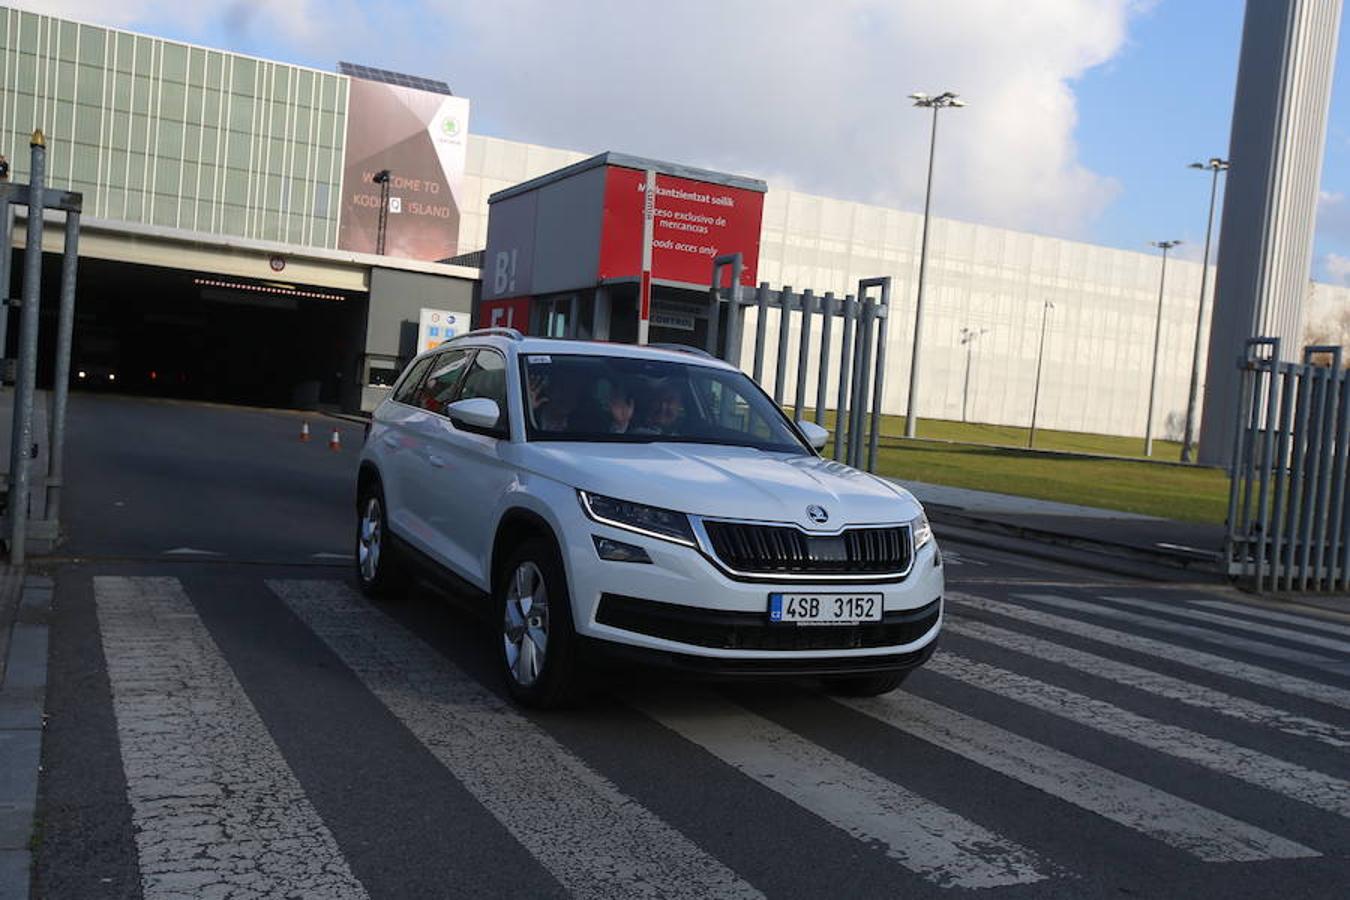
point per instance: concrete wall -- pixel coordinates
(396, 301)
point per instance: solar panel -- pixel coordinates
(384, 76)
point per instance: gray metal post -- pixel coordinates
(879, 378)
(863, 352)
(1188, 439)
(1157, 341)
(1040, 358)
(784, 319)
(762, 312)
(61, 377)
(1340, 574)
(20, 456)
(823, 375)
(912, 405)
(737, 264)
(845, 376)
(6, 279)
(803, 349)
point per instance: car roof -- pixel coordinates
(509, 342)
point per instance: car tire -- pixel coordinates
(379, 569)
(536, 641)
(867, 685)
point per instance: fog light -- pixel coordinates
(618, 551)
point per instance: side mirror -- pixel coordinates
(814, 434)
(477, 412)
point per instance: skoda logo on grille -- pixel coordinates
(817, 514)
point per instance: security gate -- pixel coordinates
(854, 379)
(1288, 515)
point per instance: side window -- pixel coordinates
(414, 378)
(486, 378)
(438, 388)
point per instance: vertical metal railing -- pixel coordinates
(854, 376)
(20, 527)
(1288, 514)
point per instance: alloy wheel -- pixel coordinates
(369, 539)
(525, 624)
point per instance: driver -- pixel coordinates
(666, 410)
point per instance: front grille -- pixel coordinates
(779, 549)
(752, 631)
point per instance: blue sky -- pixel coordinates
(1083, 116)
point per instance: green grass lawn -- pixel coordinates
(995, 458)
(1173, 492)
(1016, 436)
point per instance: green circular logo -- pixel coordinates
(449, 126)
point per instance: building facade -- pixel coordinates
(226, 164)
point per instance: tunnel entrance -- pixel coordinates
(200, 336)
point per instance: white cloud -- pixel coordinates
(793, 90)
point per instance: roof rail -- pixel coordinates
(683, 348)
(511, 333)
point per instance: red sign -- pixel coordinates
(513, 313)
(695, 221)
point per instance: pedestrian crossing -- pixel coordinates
(1233, 719)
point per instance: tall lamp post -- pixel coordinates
(968, 337)
(941, 101)
(1215, 165)
(382, 178)
(1164, 246)
(1040, 357)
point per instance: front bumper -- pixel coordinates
(683, 610)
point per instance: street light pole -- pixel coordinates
(1040, 357)
(1215, 165)
(1164, 246)
(968, 336)
(941, 101)
(382, 178)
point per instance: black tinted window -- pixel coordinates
(413, 379)
(438, 389)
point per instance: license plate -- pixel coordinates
(824, 609)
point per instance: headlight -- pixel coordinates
(649, 520)
(922, 531)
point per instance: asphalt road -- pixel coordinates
(243, 724)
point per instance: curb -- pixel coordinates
(1104, 556)
(23, 691)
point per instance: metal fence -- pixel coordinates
(1288, 515)
(20, 524)
(855, 380)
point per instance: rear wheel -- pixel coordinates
(378, 567)
(867, 685)
(536, 641)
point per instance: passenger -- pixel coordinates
(553, 401)
(665, 412)
(621, 406)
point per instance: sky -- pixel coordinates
(1083, 113)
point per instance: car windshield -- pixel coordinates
(575, 397)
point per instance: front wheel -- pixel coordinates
(378, 566)
(867, 685)
(536, 641)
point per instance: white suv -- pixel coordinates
(640, 502)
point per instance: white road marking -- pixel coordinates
(217, 810)
(343, 556)
(596, 840)
(1167, 686)
(1252, 766)
(1206, 635)
(1208, 662)
(1202, 832)
(1183, 611)
(191, 551)
(1260, 612)
(923, 837)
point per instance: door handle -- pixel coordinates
(390, 441)
(436, 461)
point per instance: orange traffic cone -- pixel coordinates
(304, 432)
(335, 442)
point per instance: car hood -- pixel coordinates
(727, 482)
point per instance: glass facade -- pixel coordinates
(168, 134)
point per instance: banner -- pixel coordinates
(421, 138)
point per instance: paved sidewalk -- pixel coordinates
(25, 605)
(1183, 542)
